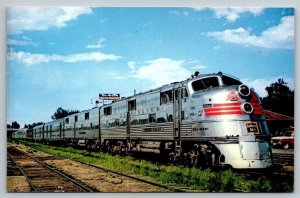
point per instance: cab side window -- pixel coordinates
(184, 93)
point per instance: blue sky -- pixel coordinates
(66, 56)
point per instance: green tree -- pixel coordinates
(61, 113)
(15, 125)
(30, 126)
(280, 98)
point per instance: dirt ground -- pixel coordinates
(100, 180)
(103, 181)
(17, 184)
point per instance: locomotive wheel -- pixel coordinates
(202, 160)
(196, 162)
(194, 158)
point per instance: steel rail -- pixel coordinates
(283, 158)
(60, 173)
(24, 174)
(57, 172)
(131, 177)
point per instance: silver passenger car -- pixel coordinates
(53, 130)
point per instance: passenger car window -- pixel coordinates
(131, 105)
(152, 118)
(87, 116)
(205, 83)
(107, 111)
(166, 97)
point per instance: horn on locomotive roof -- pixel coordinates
(196, 74)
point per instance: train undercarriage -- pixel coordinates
(198, 154)
(213, 153)
(231, 152)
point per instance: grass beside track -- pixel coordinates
(199, 180)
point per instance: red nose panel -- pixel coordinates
(231, 109)
(257, 108)
(224, 109)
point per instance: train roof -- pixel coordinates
(197, 75)
(39, 126)
(54, 121)
(21, 130)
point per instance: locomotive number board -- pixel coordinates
(252, 127)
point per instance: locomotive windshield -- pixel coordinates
(228, 81)
(205, 83)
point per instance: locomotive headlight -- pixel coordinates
(247, 107)
(244, 90)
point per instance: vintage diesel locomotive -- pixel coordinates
(208, 120)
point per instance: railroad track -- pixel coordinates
(280, 159)
(12, 167)
(167, 188)
(42, 177)
(283, 159)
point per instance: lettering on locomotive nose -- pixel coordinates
(207, 105)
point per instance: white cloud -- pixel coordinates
(177, 13)
(198, 67)
(232, 14)
(195, 65)
(21, 42)
(58, 79)
(174, 12)
(98, 45)
(116, 76)
(216, 47)
(102, 21)
(259, 85)
(31, 59)
(20, 19)
(132, 65)
(185, 13)
(162, 71)
(280, 36)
